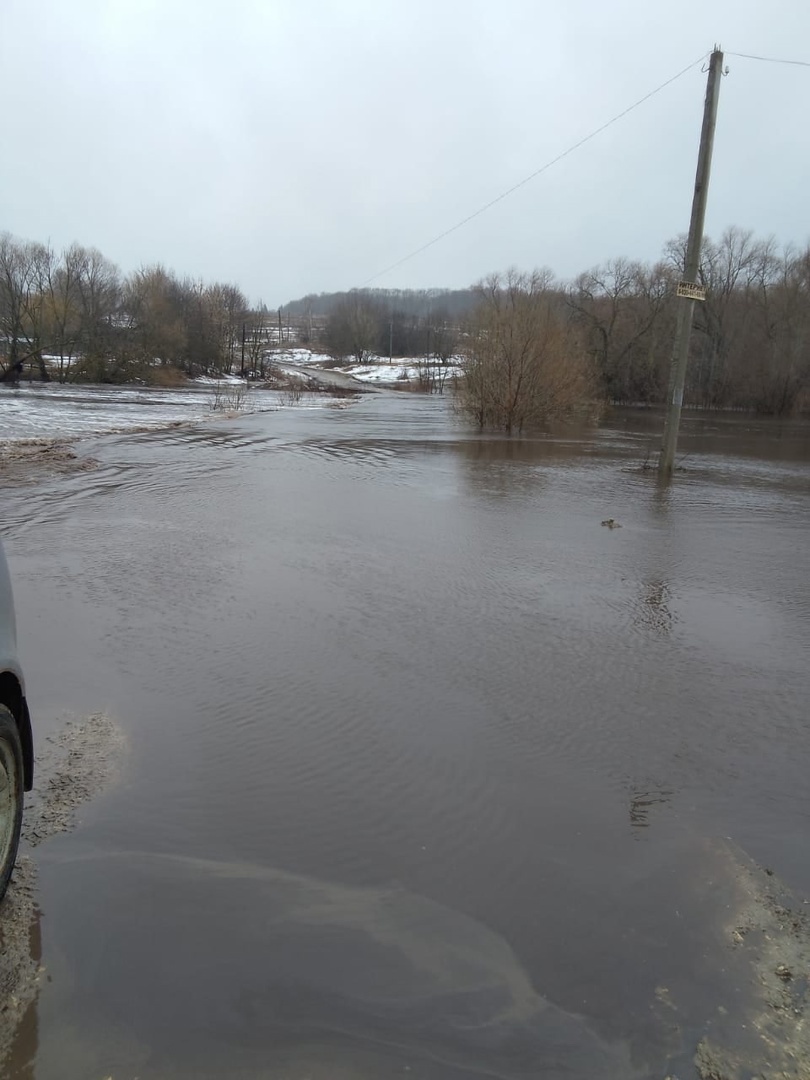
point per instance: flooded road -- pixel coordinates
(427, 769)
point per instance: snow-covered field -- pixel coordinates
(378, 369)
(209, 380)
(403, 370)
(298, 357)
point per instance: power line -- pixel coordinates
(770, 59)
(537, 172)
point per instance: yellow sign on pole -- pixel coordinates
(691, 291)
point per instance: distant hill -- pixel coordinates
(452, 303)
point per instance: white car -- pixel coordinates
(16, 742)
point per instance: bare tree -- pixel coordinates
(153, 331)
(353, 328)
(24, 270)
(778, 348)
(731, 272)
(524, 360)
(99, 287)
(64, 304)
(622, 306)
(444, 336)
(234, 309)
(255, 340)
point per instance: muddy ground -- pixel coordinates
(769, 928)
(72, 768)
(29, 461)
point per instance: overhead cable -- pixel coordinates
(536, 173)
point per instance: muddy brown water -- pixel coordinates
(424, 763)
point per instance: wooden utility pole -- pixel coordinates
(689, 290)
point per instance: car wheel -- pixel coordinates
(11, 795)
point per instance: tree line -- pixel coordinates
(361, 325)
(73, 316)
(750, 346)
(456, 302)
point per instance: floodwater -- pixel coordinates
(425, 765)
(57, 411)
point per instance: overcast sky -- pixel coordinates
(294, 146)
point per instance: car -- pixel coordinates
(16, 740)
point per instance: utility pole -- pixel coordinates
(689, 290)
(242, 368)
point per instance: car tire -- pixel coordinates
(12, 781)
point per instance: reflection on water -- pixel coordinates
(399, 710)
(374, 964)
(654, 610)
(642, 802)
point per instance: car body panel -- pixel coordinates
(12, 683)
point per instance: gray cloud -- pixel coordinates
(303, 146)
